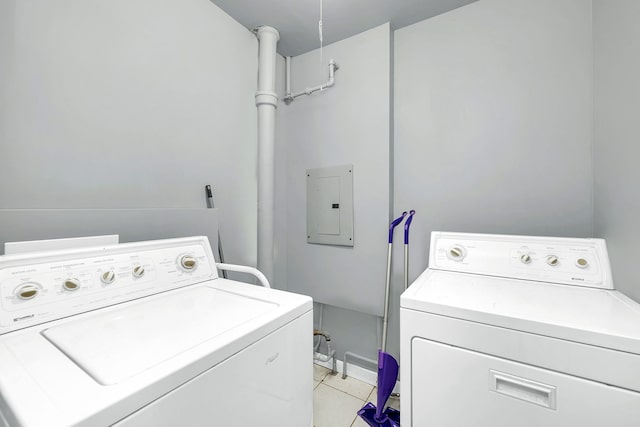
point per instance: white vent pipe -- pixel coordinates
(290, 97)
(266, 102)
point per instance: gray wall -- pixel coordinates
(131, 225)
(129, 105)
(617, 133)
(493, 106)
(347, 124)
(493, 121)
(493, 133)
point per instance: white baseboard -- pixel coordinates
(357, 372)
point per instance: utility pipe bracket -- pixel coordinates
(266, 97)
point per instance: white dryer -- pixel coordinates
(146, 334)
(504, 331)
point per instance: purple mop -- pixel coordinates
(387, 376)
(376, 415)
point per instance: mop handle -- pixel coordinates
(393, 225)
(407, 224)
(387, 285)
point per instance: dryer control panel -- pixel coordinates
(571, 261)
(44, 286)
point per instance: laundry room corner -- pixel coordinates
(321, 210)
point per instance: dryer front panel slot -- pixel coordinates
(453, 387)
(521, 388)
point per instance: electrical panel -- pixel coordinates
(330, 205)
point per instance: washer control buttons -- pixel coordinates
(553, 260)
(138, 271)
(525, 258)
(28, 291)
(108, 277)
(456, 253)
(582, 263)
(71, 284)
(188, 263)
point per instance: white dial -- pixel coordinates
(456, 253)
(28, 291)
(138, 271)
(525, 258)
(582, 263)
(71, 284)
(188, 263)
(108, 277)
(553, 260)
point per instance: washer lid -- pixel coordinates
(592, 316)
(118, 344)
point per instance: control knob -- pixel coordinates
(138, 271)
(553, 260)
(71, 284)
(582, 263)
(456, 253)
(28, 291)
(188, 262)
(525, 258)
(108, 277)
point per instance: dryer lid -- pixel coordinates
(120, 343)
(591, 316)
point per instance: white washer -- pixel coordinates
(146, 334)
(507, 331)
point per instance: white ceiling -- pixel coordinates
(297, 20)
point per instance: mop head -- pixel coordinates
(387, 376)
(390, 417)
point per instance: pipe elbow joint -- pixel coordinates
(324, 334)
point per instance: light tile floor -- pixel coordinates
(336, 401)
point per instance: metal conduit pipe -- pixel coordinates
(331, 354)
(320, 316)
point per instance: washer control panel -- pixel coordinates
(45, 286)
(573, 261)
